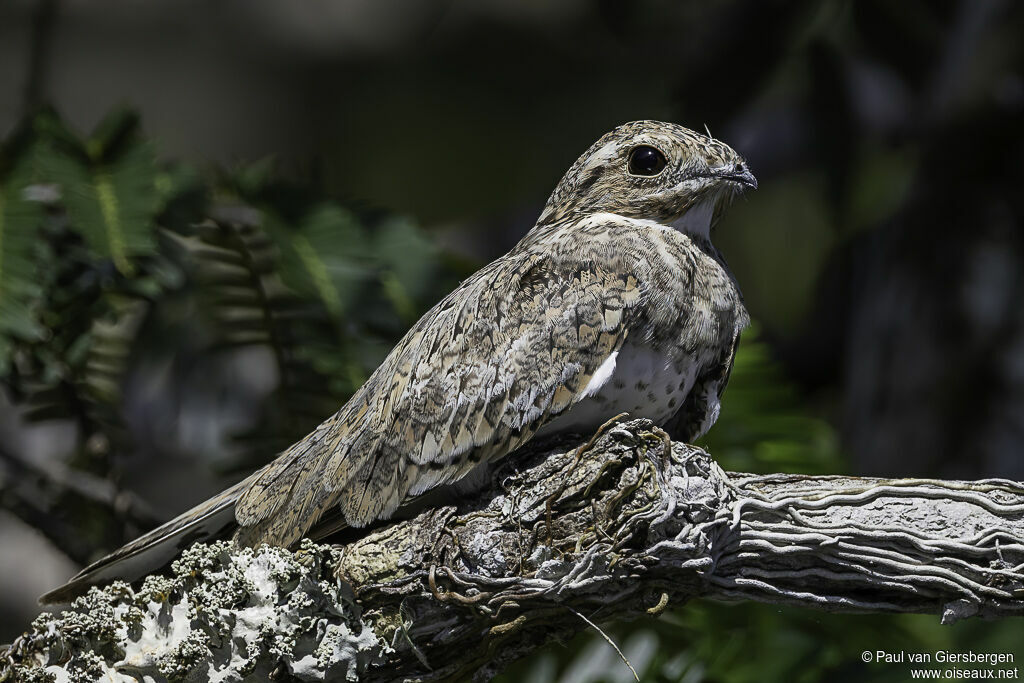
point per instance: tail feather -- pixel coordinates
(211, 519)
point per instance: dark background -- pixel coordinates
(882, 257)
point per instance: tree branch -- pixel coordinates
(616, 529)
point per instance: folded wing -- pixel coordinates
(512, 348)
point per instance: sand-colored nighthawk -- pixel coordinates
(616, 301)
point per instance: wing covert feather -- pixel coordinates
(477, 376)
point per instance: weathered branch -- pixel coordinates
(620, 528)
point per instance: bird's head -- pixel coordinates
(658, 171)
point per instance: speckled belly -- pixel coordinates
(643, 383)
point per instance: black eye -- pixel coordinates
(645, 160)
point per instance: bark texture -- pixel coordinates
(619, 527)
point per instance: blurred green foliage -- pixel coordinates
(765, 424)
(98, 239)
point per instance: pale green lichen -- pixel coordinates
(225, 615)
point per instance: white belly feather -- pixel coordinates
(636, 380)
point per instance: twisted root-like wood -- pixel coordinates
(628, 524)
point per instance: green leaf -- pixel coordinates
(324, 256)
(109, 191)
(20, 218)
(251, 179)
(410, 263)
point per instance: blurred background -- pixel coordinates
(217, 217)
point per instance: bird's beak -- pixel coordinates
(738, 173)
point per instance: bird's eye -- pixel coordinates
(646, 160)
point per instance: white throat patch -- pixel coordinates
(697, 220)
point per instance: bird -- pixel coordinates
(615, 301)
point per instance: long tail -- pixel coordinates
(213, 518)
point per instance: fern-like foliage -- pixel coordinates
(107, 184)
(77, 220)
(97, 241)
(20, 218)
(100, 244)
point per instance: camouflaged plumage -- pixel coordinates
(602, 285)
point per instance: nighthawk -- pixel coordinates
(616, 301)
